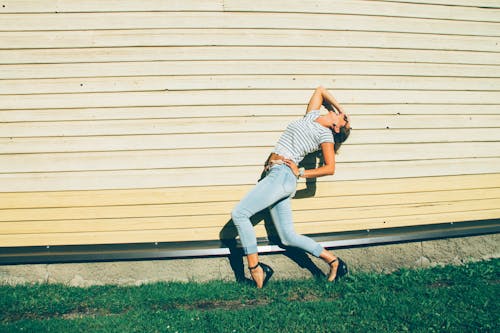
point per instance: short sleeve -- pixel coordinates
(326, 136)
(312, 115)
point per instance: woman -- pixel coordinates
(275, 191)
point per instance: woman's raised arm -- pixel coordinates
(321, 96)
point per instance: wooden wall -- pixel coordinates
(146, 121)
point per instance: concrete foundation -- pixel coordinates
(288, 265)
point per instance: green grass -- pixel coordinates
(441, 299)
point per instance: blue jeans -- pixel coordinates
(274, 192)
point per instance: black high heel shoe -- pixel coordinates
(342, 269)
(268, 272)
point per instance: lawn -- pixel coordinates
(440, 299)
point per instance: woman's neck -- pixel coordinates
(328, 120)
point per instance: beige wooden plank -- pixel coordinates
(202, 209)
(140, 196)
(465, 3)
(387, 202)
(466, 210)
(178, 235)
(238, 97)
(50, 215)
(109, 237)
(91, 224)
(233, 124)
(22, 145)
(344, 7)
(111, 224)
(183, 53)
(136, 142)
(155, 178)
(234, 67)
(243, 82)
(360, 7)
(417, 109)
(424, 135)
(404, 185)
(126, 179)
(183, 111)
(240, 37)
(350, 215)
(186, 158)
(144, 126)
(44, 6)
(416, 151)
(232, 20)
(214, 140)
(391, 222)
(399, 169)
(230, 193)
(214, 157)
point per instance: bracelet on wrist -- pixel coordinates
(301, 172)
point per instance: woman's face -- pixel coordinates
(341, 121)
(344, 120)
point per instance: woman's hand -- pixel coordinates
(291, 164)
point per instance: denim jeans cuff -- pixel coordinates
(250, 250)
(317, 251)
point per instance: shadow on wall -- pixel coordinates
(228, 234)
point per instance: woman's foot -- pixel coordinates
(261, 273)
(338, 269)
(257, 274)
(334, 266)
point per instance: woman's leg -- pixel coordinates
(257, 273)
(330, 259)
(281, 214)
(265, 193)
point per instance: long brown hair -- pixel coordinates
(340, 137)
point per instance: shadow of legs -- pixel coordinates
(297, 255)
(227, 237)
(303, 260)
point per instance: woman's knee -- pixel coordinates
(239, 213)
(290, 239)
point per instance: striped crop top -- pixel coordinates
(302, 137)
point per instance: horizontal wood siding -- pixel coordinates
(146, 121)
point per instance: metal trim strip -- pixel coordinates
(148, 251)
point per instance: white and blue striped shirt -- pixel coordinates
(302, 137)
